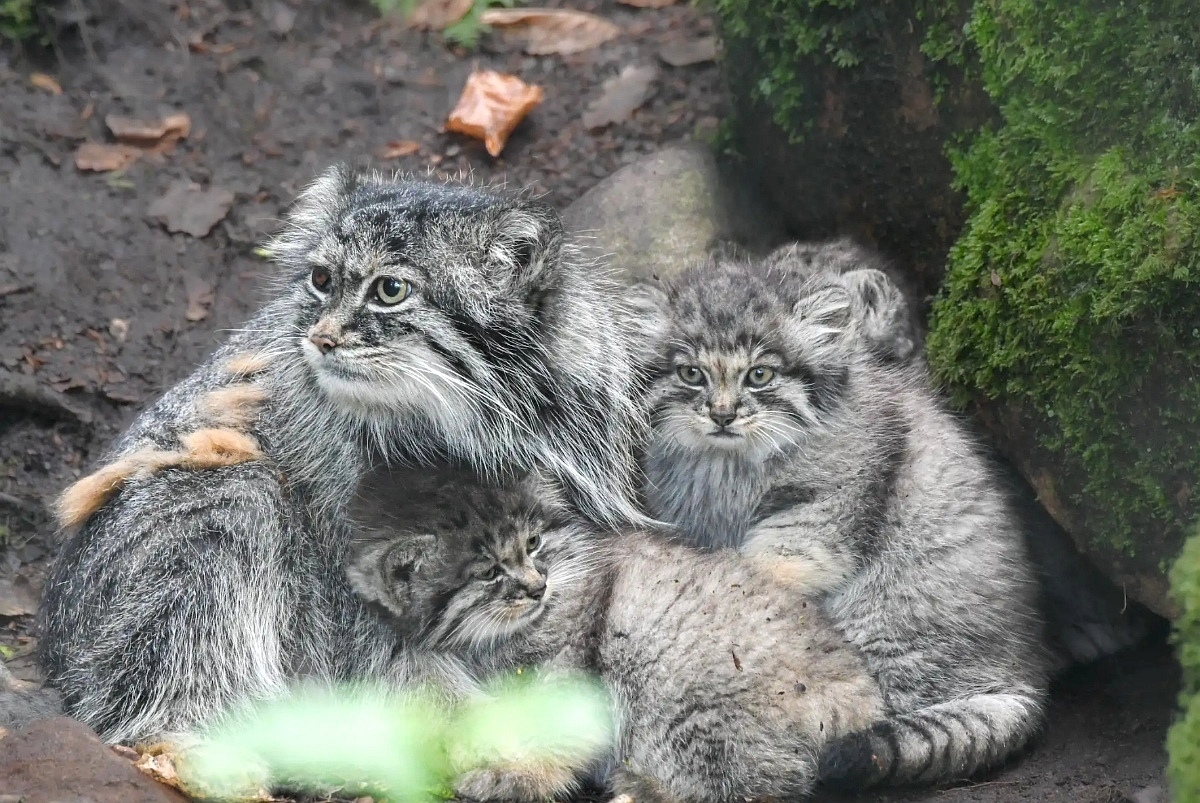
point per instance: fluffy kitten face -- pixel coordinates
(747, 361)
(465, 566)
(405, 289)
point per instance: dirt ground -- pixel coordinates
(101, 307)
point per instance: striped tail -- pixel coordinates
(944, 742)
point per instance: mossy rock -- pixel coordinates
(843, 111)
(1070, 316)
(1183, 742)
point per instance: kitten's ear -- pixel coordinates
(882, 313)
(525, 247)
(826, 310)
(378, 561)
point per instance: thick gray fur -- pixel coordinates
(21, 704)
(726, 685)
(843, 474)
(1087, 617)
(193, 591)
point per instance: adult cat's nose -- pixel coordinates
(323, 342)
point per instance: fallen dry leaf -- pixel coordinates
(45, 82)
(187, 207)
(685, 52)
(648, 3)
(437, 15)
(16, 598)
(620, 97)
(550, 31)
(160, 767)
(102, 157)
(490, 107)
(399, 148)
(156, 136)
(199, 297)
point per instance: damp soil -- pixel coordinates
(102, 308)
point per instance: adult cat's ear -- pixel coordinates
(525, 247)
(646, 307)
(314, 211)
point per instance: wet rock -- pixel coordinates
(669, 210)
(60, 759)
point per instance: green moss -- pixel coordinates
(1073, 294)
(792, 39)
(18, 19)
(1183, 741)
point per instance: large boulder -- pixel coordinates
(669, 210)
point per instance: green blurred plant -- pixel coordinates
(394, 747)
(1183, 740)
(18, 20)
(465, 32)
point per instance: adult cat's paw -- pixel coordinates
(530, 782)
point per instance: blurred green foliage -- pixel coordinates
(1183, 741)
(465, 32)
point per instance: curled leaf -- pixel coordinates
(158, 136)
(491, 106)
(399, 148)
(550, 31)
(102, 157)
(46, 83)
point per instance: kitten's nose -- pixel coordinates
(722, 416)
(323, 342)
(535, 586)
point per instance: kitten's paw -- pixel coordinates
(528, 783)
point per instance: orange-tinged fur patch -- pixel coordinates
(232, 406)
(203, 449)
(247, 363)
(213, 448)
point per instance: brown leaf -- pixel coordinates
(398, 149)
(102, 157)
(191, 209)
(45, 82)
(157, 136)
(995, 279)
(438, 15)
(490, 107)
(648, 3)
(553, 31)
(16, 598)
(685, 52)
(620, 97)
(199, 297)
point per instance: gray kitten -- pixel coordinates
(727, 686)
(779, 431)
(410, 321)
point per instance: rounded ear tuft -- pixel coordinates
(882, 313)
(528, 239)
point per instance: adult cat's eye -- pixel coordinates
(533, 543)
(759, 375)
(390, 290)
(690, 375)
(321, 278)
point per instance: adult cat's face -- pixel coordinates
(411, 295)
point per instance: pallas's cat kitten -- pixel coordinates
(726, 685)
(780, 430)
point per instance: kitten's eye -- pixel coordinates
(533, 543)
(690, 375)
(390, 290)
(321, 279)
(489, 572)
(759, 375)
